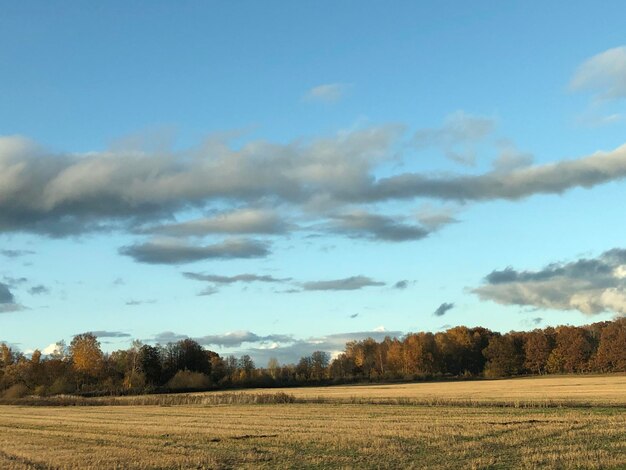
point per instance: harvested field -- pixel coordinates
(332, 434)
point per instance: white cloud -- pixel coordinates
(327, 93)
(590, 286)
(603, 74)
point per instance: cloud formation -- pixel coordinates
(6, 296)
(549, 178)
(348, 283)
(239, 221)
(361, 224)
(38, 290)
(63, 194)
(443, 309)
(16, 253)
(245, 278)
(603, 74)
(66, 194)
(7, 300)
(173, 251)
(590, 286)
(403, 284)
(457, 136)
(110, 334)
(227, 340)
(333, 344)
(327, 93)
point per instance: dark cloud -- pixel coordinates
(7, 300)
(348, 283)
(443, 309)
(110, 334)
(588, 285)
(38, 290)
(401, 284)
(6, 296)
(16, 253)
(245, 278)
(177, 252)
(377, 227)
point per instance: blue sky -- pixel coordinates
(279, 177)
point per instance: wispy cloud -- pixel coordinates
(172, 251)
(135, 302)
(110, 334)
(244, 278)
(327, 93)
(603, 74)
(16, 253)
(457, 136)
(348, 283)
(38, 290)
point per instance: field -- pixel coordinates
(565, 422)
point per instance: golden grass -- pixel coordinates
(594, 389)
(334, 434)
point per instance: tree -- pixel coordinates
(86, 354)
(273, 367)
(150, 364)
(538, 345)
(502, 357)
(319, 364)
(572, 352)
(420, 351)
(611, 354)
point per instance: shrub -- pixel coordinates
(15, 391)
(187, 380)
(61, 386)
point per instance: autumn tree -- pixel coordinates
(419, 354)
(319, 364)
(611, 354)
(572, 352)
(538, 345)
(86, 355)
(502, 357)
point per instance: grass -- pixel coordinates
(336, 427)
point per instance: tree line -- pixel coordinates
(83, 368)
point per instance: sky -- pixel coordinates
(275, 178)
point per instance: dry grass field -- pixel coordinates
(595, 389)
(337, 431)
